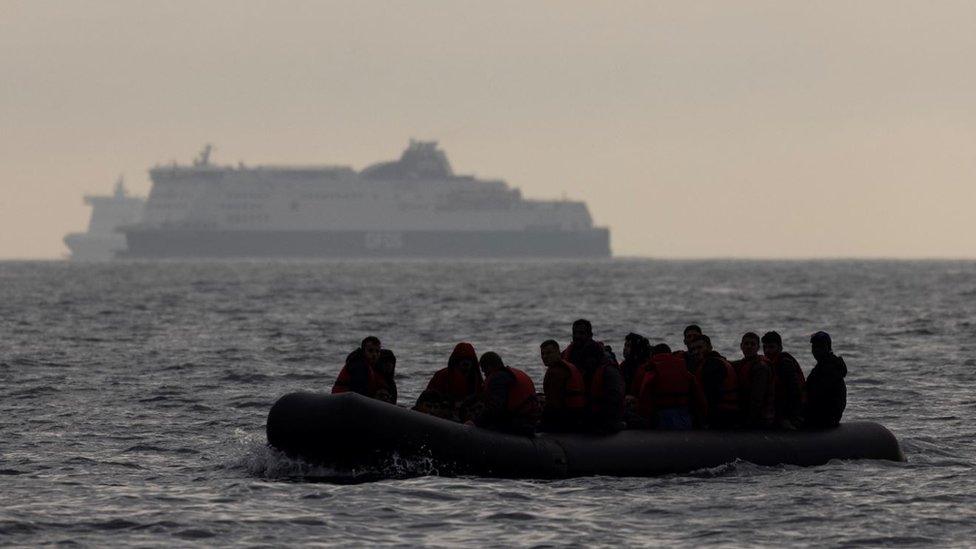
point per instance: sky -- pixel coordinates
(692, 129)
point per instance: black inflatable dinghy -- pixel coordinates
(352, 431)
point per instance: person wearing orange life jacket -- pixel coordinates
(510, 402)
(564, 390)
(755, 385)
(461, 379)
(584, 352)
(359, 374)
(670, 398)
(718, 382)
(788, 382)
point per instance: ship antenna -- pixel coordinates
(204, 157)
(120, 187)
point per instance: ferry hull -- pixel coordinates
(171, 243)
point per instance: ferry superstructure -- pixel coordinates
(411, 207)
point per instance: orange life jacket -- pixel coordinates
(521, 394)
(667, 383)
(729, 397)
(452, 383)
(575, 388)
(374, 381)
(744, 369)
(597, 393)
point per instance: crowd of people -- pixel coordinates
(586, 389)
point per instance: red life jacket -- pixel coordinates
(597, 398)
(729, 397)
(575, 388)
(743, 369)
(374, 382)
(667, 383)
(521, 394)
(452, 383)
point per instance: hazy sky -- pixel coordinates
(692, 129)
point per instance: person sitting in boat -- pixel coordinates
(826, 389)
(461, 378)
(584, 352)
(360, 374)
(670, 398)
(637, 351)
(386, 370)
(691, 331)
(788, 382)
(565, 393)
(718, 382)
(510, 401)
(605, 400)
(755, 385)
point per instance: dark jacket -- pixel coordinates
(451, 383)
(497, 415)
(826, 393)
(788, 390)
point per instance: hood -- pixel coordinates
(461, 351)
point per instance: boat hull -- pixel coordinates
(351, 431)
(180, 243)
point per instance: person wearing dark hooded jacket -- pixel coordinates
(510, 403)
(826, 389)
(461, 379)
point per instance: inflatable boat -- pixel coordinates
(352, 431)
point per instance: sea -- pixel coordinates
(134, 396)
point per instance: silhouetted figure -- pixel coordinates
(788, 382)
(637, 351)
(565, 392)
(584, 352)
(670, 398)
(510, 401)
(826, 389)
(718, 382)
(360, 374)
(755, 385)
(386, 370)
(461, 378)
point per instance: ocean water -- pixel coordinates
(134, 399)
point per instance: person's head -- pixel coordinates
(749, 344)
(464, 358)
(820, 345)
(371, 349)
(661, 349)
(491, 363)
(386, 362)
(550, 352)
(772, 344)
(582, 331)
(689, 331)
(696, 347)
